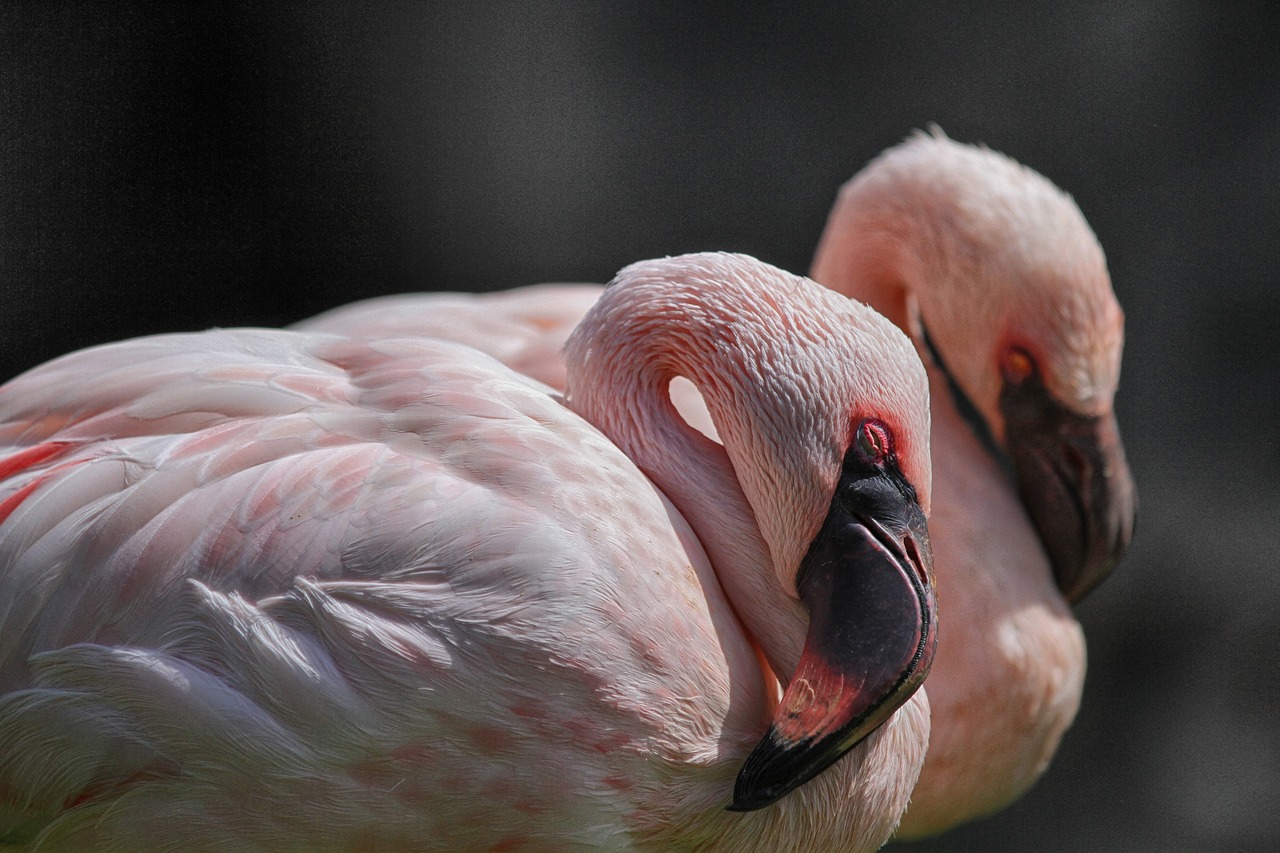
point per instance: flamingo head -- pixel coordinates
(813, 510)
(1000, 280)
(836, 471)
(867, 585)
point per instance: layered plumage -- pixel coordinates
(524, 328)
(271, 590)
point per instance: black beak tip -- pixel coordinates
(1076, 580)
(1075, 587)
(1108, 533)
(768, 774)
(750, 802)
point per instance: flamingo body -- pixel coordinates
(272, 590)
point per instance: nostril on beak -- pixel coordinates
(913, 555)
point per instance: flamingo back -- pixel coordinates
(252, 581)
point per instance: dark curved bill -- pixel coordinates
(871, 640)
(1075, 484)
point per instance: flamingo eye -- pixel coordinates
(1017, 365)
(872, 439)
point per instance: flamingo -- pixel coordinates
(1004, 289)
(1002, 271)
(278, 590)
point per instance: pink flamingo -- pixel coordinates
(1004, 289)
(1005, 274)
(267, 590)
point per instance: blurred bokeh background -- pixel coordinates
(163, 168)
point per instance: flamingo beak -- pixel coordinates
(1074, 482)
(867, 582)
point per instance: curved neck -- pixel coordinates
(866, 258)
(907, 262)
(620, 363)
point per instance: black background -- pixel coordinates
(166, 169)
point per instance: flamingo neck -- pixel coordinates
(630, 352)
(865, 255)
(696, 475)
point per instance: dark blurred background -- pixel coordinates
(165, 169)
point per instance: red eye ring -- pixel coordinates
(873, 440)
(1017, 365)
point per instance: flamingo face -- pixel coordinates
(1068, 463)
(867, 582)
(1072, 478)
